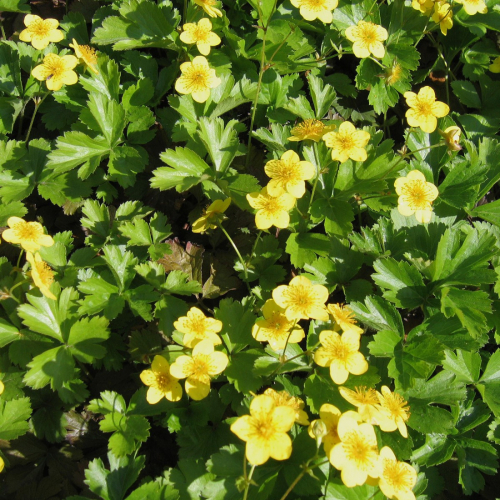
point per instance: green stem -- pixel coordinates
(318, 171)
(306, 469)
(37, 105)
(19, 258)
(283, 359)
(4, 36)
(245, 272)
(185, 10)
(249, 479)
(22, 282)
(254, 247)
(378, 62)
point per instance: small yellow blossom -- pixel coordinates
(473, 6)
(265, 430)
(199, 368)
(56, 71)
(288, 175)
(40, 32)
(397, 479)
(394, 410)
(86, 54)
(424, 109)
(196, 327)
(276, 328)
(271, 210)
(343, 317)
(329, 415)
(415, 196)
(341, 354)
(161, 383)
(212, 216)
(2, 464)
(451, 137)
(197, 79)
(367, 38)
(316, 9)
(424, 6)
(208, 7)
(347, 143)
(42, 274)
(495, 65)
(310, 129)
(29, 235)
(302, 300)
(443, 15)
(366, 401)
(357, 453)
(201, 34)
(282, 398)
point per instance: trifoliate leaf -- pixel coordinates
(13, 418)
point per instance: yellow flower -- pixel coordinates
(343, 316)
(302, 300)
(415, 196)
(424, 6)
(288, 175)
(397, 479)
(212, 216)
(329, 415)
(275, 328)
(424, 109)
(199, 368)
(347, 143)
(365, 400)
(473, 6)
(282, 398)
(56, 71)
(208, 7)
(394, 411)
(357, 453)
(42, 274)
(271, 210)
(196, 327)
(341, 354)
(367, 38)
(443, 15)
(86, 54)
(162, 384)
(40, 32)
(2, 388)
(201, 34)
(197, 79)
(451, 137)
(265, 430)
(316, 9)
(310, 129)
(495, 65)
(29, 235)
(2, 464)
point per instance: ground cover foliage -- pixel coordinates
(250, 249)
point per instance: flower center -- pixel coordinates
(339, 351)
(162, 381)
(369, 35)
(199, 366)
(299, 296)
(197, 77)
(424, 108)
(265, 429)
(314, 4)
(88, 54)
(395, 406)
(201, 33)
(39, 28)
(396, 475)
(417, 194)
(45, 273)
(197, 326)
(278, 322)
(359, 450)
(27, 231)
(345, 142)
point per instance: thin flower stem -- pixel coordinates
(318, 170)
(283, 360)
(37, 105)
(249, 479)
(306, 470)
(378, 62)
(19, 258)
(254, 247)
(185, 10)
(245, 271)
(4, 36)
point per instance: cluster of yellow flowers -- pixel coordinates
(287, 184)
(442, 12)
(55, 70)
(31, 237)
(204, 363)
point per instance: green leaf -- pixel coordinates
(10, 71)
(237, 322)
(132, 431)
(109, 402)
(443, 388)
(338, 215)
(110, 117)
(240, 371)
(74, 149)
(139, 94)
(178, 282)
(13, 418)
(107, 82)
(140, 24)
(323, 95)
(384, 343)
(466, 93)
(9, 110)
(465, 365)
(489, 383)
(124, 164)
(378, 314)
(13, 209)
(489, 212)
(186, 170)
(121, 263)
(220, 141)
(438, 448)
(336, 490)
(85, 337)
(403, 283)
(8, 333)
(303, 247)
(468, 306)
(15, 6)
